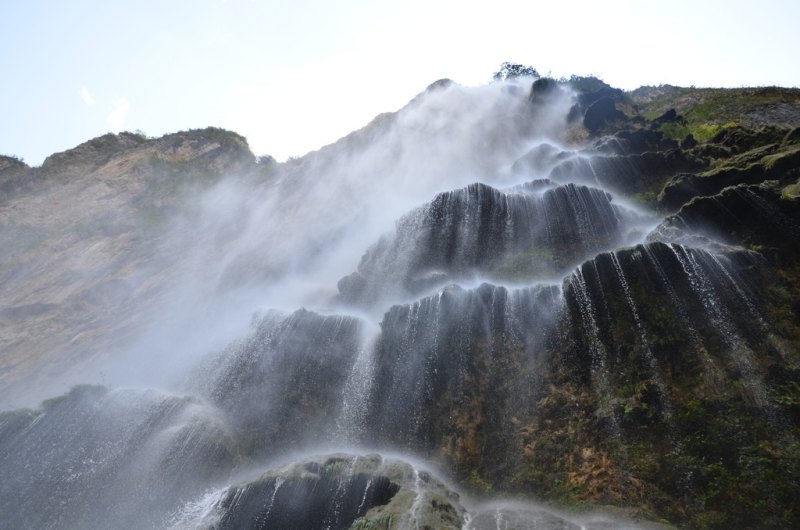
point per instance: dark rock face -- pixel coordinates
(689, 142)
(602, 113)
(282, 385)
(734, 156)
(481, 229)
(337, 491)
(675, 289)
(545, 89)
(742, 215)
(628, 142)
(590, 90)
(631, 174)
(699, 342)
(683, 187)
(453, 369)
(671, 116)
(318, 499)
(743, 139)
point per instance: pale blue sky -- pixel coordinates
(293, 76)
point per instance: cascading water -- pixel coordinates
(435, 347)
(645, 342)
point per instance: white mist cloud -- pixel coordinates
(87, 96)
(117, 117)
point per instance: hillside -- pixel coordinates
(82, 235)
(531, 292)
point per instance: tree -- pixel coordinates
(512, 70)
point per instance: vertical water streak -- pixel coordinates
(413, 516)
(679, 306)
(343, 483)
(735, 285)
(597, 351)
(263, 516)
(356, 394)
(419, 384)
(360, 508)
(196, 513)
(738, 350)
(652, 362)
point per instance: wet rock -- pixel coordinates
(658, 285)
(282, 384)
(641, 140)
(742, 215)
(449, 372)
(336, 491)
(545, 89)
(792, 137)
(479, 229)
(629, 174)
(92, 449)
(602, 113)
(587, 98)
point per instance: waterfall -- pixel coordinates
(697, 266)
(651, 360)
(450, 287)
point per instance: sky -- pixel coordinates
(294, 76)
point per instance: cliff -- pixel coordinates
(557, 292)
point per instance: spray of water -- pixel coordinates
(365, 295)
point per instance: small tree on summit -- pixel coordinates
(512, 70)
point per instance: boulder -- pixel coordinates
(335, 492)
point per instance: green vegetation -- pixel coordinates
(709, 110)
(792, 191)
(512, 70)
(584, 83)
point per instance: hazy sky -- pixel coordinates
(292, 76)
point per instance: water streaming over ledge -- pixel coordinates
(434, 347)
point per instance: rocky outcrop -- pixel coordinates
(601, 114)
(69, 224)
(332, 492)
(769, 162)
(91, 449)
(748, 215)
(452, 371)
(12, 172)
(283, 385)
(478, 229)
(631, 174)
(674, 346)
(544, 90)
(528, 339)
(345, 491)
